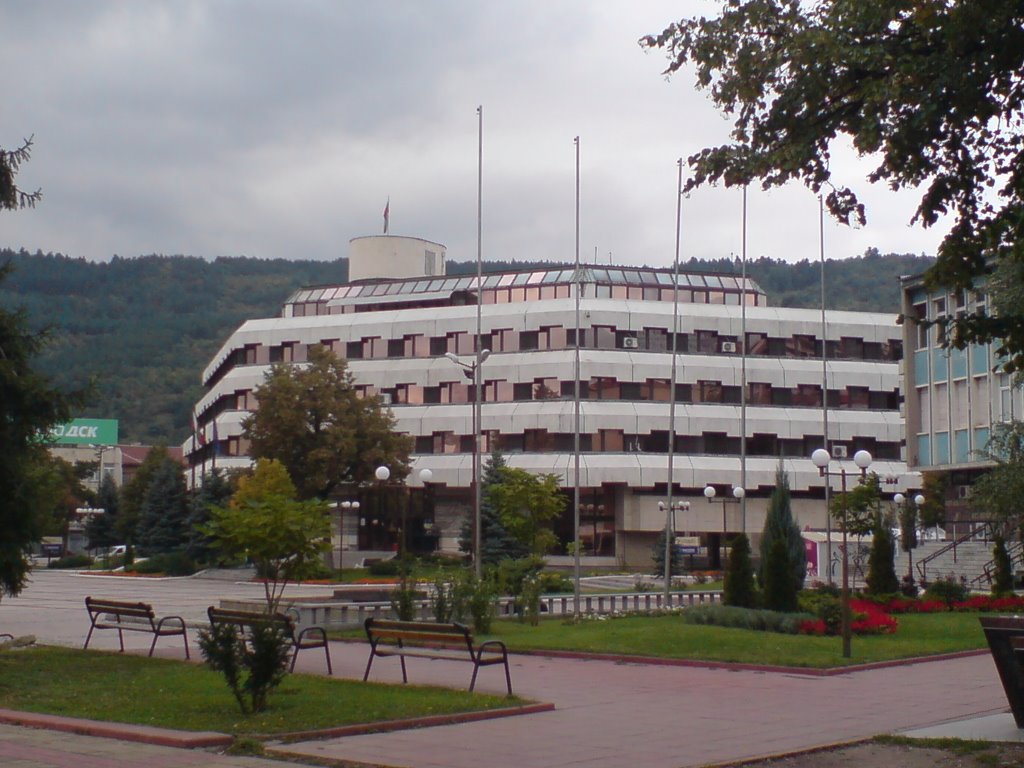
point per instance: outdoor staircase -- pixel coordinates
(934, 560)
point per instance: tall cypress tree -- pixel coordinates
(101, 530)
(215, 491)
(738, 588)
(779, 526)
(881, 579)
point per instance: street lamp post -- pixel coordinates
(348, 505)
(899, 499)
(862, 459)
(669, 511)
(738, 494)
(472, 372)
(383, 474)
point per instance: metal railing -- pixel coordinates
(983, 531)
(334, 614)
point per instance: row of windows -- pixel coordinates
(617, 441)
(607, 388)
(538, 293)
(560, 338)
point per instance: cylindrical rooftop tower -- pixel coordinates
(393, 256)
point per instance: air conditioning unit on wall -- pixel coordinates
(728, 346)
(839, 452)
(630, 342)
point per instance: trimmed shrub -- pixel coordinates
(70, 561)
(746, 618)
(881, 578)
(168, 563)
(778, 594)
(949, 591)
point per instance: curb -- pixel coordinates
(743, 667)
(427, 721)
(145, 734)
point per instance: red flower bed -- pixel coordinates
(868, 619)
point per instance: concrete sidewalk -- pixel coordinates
(607, 713)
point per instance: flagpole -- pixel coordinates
(669, 512)
(576, 404)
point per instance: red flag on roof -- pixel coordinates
(387, 211)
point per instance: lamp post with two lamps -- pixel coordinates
(862, 459)
(472, 372)
(669, 509)
(908, 510)
(383, 474)
(738, 493)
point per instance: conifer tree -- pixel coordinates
(215, 491)
(738, 589)
(778, 592)
(1002, 579)
(496, 543)
(881, 579)
(779, 525)
(101, 530)
(163, 525)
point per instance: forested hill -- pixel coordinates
(143, 329)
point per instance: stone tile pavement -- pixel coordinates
(607, 713)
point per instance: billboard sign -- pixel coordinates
(85, 432)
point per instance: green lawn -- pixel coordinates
(174, 694)
(669, 637)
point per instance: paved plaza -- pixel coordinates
(606, 713)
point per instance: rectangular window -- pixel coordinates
(610, 441)
(707, 342)
(757, 343)
(759, 394)
(808, 395)
(800, 345)
(707, 392)
(658, 389)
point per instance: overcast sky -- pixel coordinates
(281, 129)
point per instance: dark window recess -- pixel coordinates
(527, 340)
(424, 444)
(783, 397)
(438, 345)
(629, 390)
(466, 443)
(684, 393)
(523, 391)
(396, 347)
(354, 350)
(569, 390)
(432, 394)
(655, 442)
(732, 394)
(762, 445)
(276, 354)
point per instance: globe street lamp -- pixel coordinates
(862, 459)
(908, 516)
(383, 474)
(472, 372)
(343, 507)
(738, 493)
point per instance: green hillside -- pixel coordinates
(143, 329)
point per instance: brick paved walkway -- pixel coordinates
(607, 713)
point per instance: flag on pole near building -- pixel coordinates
(200, 435)
(387, 213)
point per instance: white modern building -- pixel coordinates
(739, 362)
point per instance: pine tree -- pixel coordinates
(778, 593)
(779, 525)
(215, 491)
(675, 562)
(881, 579)
(738, 589)
(496, 543)
(101, 530)
(163, 525)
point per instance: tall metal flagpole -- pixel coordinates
(576, 403)
(824, 387)
(477, 537)
(669, 509)
(743, 376)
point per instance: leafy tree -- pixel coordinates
(163, 517)
(496, 544)
(215, 491)
(312, 420)
(932, 514)
(101, 529)
(283, 537)
(1002, 579)
(881, 578)
(738, 588)
(932, 90)
(779, 525)
(999, 491)
(29, 407)
(133, 494)
(527, 504)
(62, 493)
(860, 507)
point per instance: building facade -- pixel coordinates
(739, 363)
(954, 398)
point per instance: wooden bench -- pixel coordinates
(428, 640)
(310, 637)
(133, 617)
